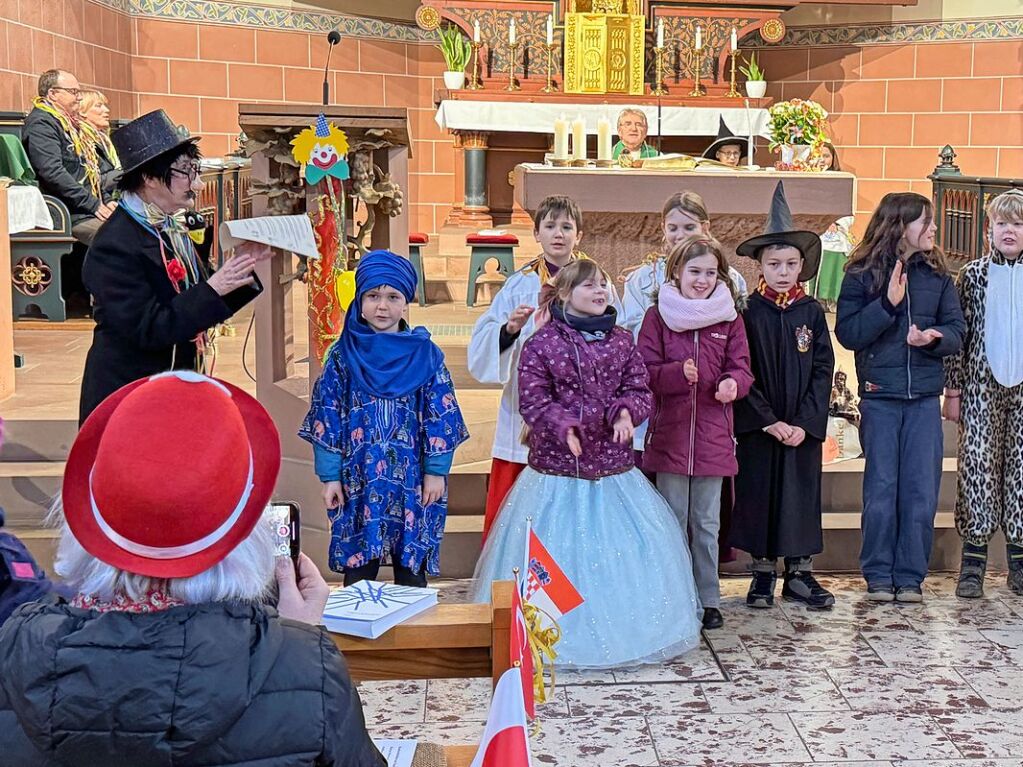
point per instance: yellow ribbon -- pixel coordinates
(541, 646)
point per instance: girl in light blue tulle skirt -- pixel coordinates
(583, 389)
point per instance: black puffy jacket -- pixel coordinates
(867, 324)
(213, 684)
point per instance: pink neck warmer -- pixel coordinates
(681, 314)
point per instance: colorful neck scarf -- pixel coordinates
(83, 144)
(181, 264)
(101, 139)
(683, 314)
(781, 300)
(153, 602)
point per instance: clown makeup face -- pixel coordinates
(1007, 237)
(781, 266)
(382, 308)
(729, 154)
(589, 297)
(678, 225)
(698, 277)
(324, 156)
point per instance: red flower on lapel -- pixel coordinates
(175, 271)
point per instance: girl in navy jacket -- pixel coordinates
(899, 312)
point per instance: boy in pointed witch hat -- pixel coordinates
(782, 424)
(727, 148)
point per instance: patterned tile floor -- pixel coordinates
(866, 685)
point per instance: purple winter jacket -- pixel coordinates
(690, 432)
(566, 381)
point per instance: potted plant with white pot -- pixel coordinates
(456, 50)
(756, 84)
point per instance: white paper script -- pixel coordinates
(291, 233)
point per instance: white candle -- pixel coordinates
(561, 138)
(511, 32)
(699, 38)
(735, 40)
(604, 139)
(475, 31)
(660, 33)
(578, 139)
(550, 29)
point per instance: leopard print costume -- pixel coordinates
(990, 491)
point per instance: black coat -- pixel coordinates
(142, 325)
(212, 684)
(60, 171)
(109, 174)
(778, 488)
(867, 324)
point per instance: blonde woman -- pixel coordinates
(94, 109)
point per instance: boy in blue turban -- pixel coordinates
(384, 424)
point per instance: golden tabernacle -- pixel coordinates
(604, 46)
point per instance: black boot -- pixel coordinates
(801, 586)
(712, 618)
(761, 588)
(1014, 554)
(971, 571)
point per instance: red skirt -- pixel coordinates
(502, 476)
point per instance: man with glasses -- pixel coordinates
(63, 155)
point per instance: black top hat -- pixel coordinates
(780, 231)
(146, 138)
(725, 137)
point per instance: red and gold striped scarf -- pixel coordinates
(783, 300)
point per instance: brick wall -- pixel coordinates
(894, 106)
(200, 73)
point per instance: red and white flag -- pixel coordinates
(521, 655)
(545, 586)
(505, 741)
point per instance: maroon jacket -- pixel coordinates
(566, 381)
(690, 432)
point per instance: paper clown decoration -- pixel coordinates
(322, 148)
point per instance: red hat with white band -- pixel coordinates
(170, 473)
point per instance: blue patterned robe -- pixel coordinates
(383, 446)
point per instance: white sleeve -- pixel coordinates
(637, 300)
(487, 363)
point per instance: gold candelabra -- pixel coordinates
(698, 89)
(512, 85)
(475, 81)
(732, 92)
(549, 88)
(658, 87)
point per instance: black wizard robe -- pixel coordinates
(778, 489)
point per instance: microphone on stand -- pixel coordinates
(333, 38)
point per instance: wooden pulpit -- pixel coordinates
(285, 371)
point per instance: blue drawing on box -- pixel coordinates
(367, 597)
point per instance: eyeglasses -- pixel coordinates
(191, 173)
(76, 92)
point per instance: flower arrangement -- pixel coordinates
(798, 123)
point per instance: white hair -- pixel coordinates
(246, 573)
(633, 111)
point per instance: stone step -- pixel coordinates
(37, 440)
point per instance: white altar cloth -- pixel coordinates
(504, 116)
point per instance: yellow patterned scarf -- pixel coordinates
(102, 139)
(81, 142)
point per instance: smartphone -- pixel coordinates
(284, 520)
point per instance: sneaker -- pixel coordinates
(971, 571)
(909, 594)
(712, 618)
(801, 586)
(761, 589)
(880, 594)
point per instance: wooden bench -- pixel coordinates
(446, 641)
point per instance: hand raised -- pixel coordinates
(897, 285)
(302, 598)
(518, 318)
(235, 273)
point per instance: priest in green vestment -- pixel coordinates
(632, 132)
